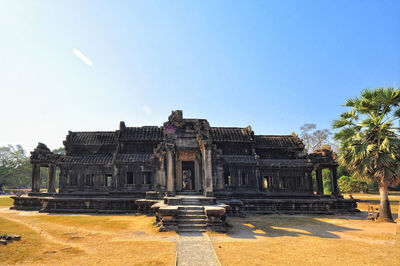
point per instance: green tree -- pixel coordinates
(60, 151)
(15, 169)
(348, 184)
(370, 145)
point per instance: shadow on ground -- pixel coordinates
(290, 226)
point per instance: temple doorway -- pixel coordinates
(188, 176)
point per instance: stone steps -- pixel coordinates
(189, 230)
(190, 202)
(191, 216)
(192, 219)
(191, 212)
(191, 208)
(192, 226)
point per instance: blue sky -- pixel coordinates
(86, 65)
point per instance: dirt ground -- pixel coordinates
(84, 240)
(312, 240)
(252, 240)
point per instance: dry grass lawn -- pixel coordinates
(84, 240)
(311, 240)
(253, 240)
(5, 201)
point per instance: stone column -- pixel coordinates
(170, 168)
(309, 182)
(162, 175)
(320, 184)
(35, 178)
(52, 179)
(220, 176)
(116, 179)
(80, 181)
(259, 180)
(334, 185)
(178, 175)
(62, 180)
(197, 174)
(207, 168)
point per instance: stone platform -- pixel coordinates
(77, 203)
(190, 213)
(232, 203)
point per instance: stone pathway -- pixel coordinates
(196, 249)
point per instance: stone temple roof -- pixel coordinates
(142, 133)
(278, 142)
(230, 134)
(91, 138)
(241, 159)
(133, 157)
(285, 163)
(87, 159)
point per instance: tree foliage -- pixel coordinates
(370, 145)
(15, 169)
(326, 181)
(348, 184)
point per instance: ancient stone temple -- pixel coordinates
(134, 167)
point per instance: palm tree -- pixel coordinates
(370, 144)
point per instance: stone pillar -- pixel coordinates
(162, 175)
(320, 184)
(178, 175)
(309, 182)
(51, 188)
(220, 176)
(35, 178)
(62, 180)
(259, 180)
(80, 177)
(170, 168)
(334, 185)
(207, 168)
(197, 174)
(116, 179)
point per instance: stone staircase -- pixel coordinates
(190, 213)
(192, 219)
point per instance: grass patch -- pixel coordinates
(6, 201)
(307, 240)
(372, 199)
(57, 239)
(111, 223)
(33, 248)
(311, 251)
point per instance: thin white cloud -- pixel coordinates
(82, 57)
(147, 110)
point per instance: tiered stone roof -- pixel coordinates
(230, 134)
(278, 142)
(151, 133)
(96, 159)
(133, 157)
(287, 163)
(91, 138)
(239, 159)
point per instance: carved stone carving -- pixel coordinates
(187, 156)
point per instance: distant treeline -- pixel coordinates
(16, 170)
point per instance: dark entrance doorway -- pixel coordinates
(188, 180)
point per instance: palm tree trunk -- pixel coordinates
(385, 214)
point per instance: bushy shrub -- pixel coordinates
(348, 184)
